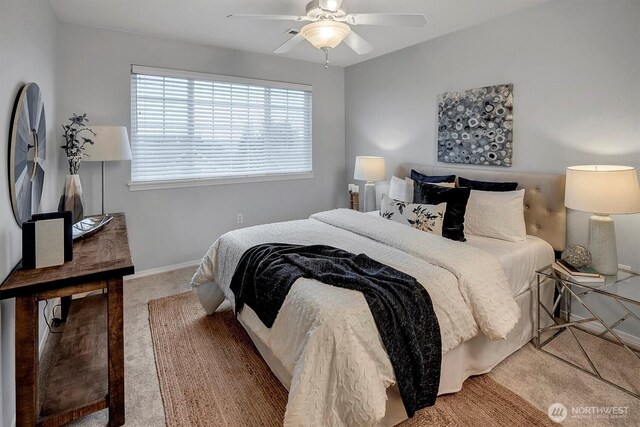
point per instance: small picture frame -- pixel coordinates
(47, 240)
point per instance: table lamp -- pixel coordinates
(603, 190)
(369, 169)
(111, 143)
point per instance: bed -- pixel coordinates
(324, 346)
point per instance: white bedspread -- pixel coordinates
(520, 260)
(326, 337)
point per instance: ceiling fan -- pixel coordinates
(329, 25)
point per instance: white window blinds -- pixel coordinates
(187, 126)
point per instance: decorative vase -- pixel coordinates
(72, 199)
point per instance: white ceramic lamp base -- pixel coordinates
(369, 202)
(602, 244)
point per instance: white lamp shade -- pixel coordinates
(602, 189)
(369, 168)
(326, 33)
(111, 143)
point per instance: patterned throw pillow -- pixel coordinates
(427, 218)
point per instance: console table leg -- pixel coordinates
(65, 304)
(116, 352)
(26, 341)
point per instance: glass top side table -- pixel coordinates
(621, 291)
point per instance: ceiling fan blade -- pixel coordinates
(399, 19)
(268, 17)
(358, 44)
(289, 44)
(331, 5)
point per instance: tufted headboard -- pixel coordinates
(544, 211)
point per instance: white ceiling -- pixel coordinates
(204, 21)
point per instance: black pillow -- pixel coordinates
(487, 186)
(456, 200)
(417, 176)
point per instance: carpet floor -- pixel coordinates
(537, 377)
(211, 374)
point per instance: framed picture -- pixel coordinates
(47, 240)
(475, 126)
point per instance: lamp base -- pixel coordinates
(602, 244)
(369, 197)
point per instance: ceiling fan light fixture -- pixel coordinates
(331, 5)
(325, 34)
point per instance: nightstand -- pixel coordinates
(89, 372)
(618, 296)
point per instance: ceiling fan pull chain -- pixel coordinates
(326, 58)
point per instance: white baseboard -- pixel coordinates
(166, 269)
(597, 328)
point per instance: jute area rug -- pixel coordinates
(211, 375)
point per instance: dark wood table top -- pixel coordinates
(102, 256)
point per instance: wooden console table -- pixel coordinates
(85, 379)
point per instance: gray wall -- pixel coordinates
(172, 226)
(27, 54)
(575, 66)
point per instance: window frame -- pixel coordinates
(223, 180)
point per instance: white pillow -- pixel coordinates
(497, 214)
(401, 189)
(427, 218)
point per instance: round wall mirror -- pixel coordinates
(27, 149)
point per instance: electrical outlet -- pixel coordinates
(240, 218)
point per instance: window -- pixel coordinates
(191, 127)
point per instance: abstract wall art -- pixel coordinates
(476, 126)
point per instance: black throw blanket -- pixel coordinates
(401, 307)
